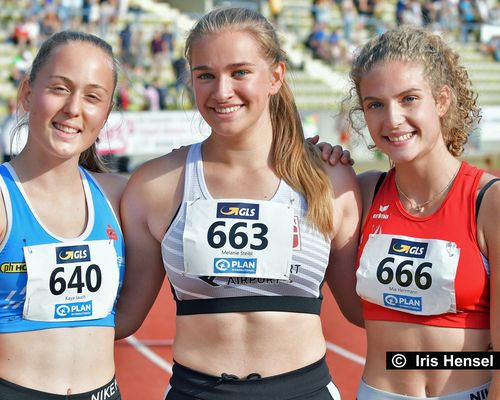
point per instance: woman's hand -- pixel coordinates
(332, 154)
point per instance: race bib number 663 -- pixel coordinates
(238, 238)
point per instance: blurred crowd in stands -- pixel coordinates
(151, 57)
(462, 19)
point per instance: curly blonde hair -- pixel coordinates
(441, 66)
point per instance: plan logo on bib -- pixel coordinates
(72, 310)
(235, 265)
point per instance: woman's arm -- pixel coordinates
(489, 235)
(148, 206)
(341, 272)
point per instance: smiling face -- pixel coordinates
(233, 82)
(69, 100)
(401, 113)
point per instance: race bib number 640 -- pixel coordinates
(71, 281)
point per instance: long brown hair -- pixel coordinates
(89, 159)
(295, 160)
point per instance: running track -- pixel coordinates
(144, 360)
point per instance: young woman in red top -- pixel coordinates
(430, 249)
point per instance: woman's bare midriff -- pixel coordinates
(59, 361)
(385, 336)
(268, 343)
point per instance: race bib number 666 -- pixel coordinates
(407, 274)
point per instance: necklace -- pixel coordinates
(420, 207)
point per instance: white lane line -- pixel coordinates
(345, 353)
(149, 354)
(155, 342)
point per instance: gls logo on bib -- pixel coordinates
(69, 254)
(407, 248)
(238, 210)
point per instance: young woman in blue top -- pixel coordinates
(61, 247)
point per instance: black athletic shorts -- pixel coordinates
(309, 383)
(11, 391)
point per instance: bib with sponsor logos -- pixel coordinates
(70, 281)
(408, 274)
(240, 238)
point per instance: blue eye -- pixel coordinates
(410, 99)
(374, 105)
(205, 76)
(240, 73)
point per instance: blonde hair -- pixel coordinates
(441, 66)
(295, 160)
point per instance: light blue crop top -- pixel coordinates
(25, 229)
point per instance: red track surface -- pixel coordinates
(141, 379)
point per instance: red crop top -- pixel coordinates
(425, 270)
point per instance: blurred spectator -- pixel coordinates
(366, 11)
(35, 7)
(90, 12)
(181, 84)
(49, 24)
(348, 11)
(122, 97)
(429, 9)
(469, 19)
(320, 11)
(20, 36)
(86, 10)
(317, 41)
(162, 93)
(275, 10)
(400, 9)
(126, 44)
(483, 10)
(67, 10)
(158, 50)
(412, 15)
(152, 98)
(335, 49)
(32, 28)
(492, 47)
(6, 126)
(344, 129)
(19, 66)
(107, 15)
(448, 16)
(168, 38)
(139, 49)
